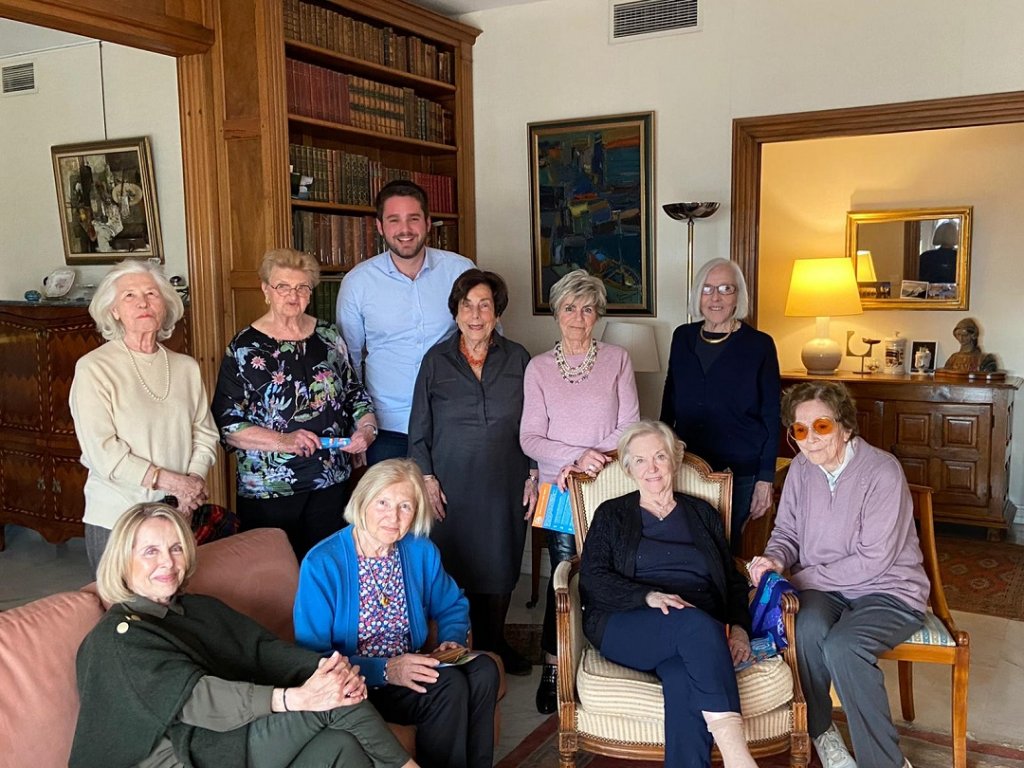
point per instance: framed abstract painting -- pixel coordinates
(591, 182)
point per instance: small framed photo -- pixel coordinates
(942, 291)
(913, 289)
(922, 356)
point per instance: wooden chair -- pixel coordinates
(939, 642)
(612, 710)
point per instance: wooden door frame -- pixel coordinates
(750, 134)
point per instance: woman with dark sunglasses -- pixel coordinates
(722, 391)
(845, 531)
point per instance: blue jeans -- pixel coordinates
(388, 445)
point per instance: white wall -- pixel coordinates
(552, 60)
(140, 93)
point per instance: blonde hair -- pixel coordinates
(381, 476)
(673, 445)
(112, 573)
(742, 295)
(578, 284)
(289, 258)
(101, 308)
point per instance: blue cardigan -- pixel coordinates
(728, 416)
(326, 611)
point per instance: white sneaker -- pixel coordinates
(832, 750)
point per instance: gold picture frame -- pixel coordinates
(106, 196)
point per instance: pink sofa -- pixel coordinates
(255, 573)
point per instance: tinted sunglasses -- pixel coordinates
(822, 427)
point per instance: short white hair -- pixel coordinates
(579, 284)
(742, 297)
(102, 305)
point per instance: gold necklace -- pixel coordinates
(142, 381)
(383, 597)
(717, 341)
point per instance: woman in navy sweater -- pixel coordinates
(722, 390)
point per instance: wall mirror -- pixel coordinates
(916, 258)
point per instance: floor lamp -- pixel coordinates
(690, 212)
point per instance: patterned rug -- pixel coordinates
(982, 576)
(922, 748)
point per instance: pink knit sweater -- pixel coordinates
(561, 420)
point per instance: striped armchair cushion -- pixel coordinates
(933, 632)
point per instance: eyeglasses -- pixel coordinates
(726, 289)
(283, 289)
(822, 427)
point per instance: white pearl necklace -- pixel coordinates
(582, 371)
(142, 381)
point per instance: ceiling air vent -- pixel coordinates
(19, 78)
(638, 19)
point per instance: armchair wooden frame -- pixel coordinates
(716, 488)
(957, 656)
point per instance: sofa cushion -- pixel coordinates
(254, 572)
(38, 645)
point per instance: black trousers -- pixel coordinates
(454, 719)
(307, 518)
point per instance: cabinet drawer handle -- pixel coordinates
(41, 484)
(56, 485)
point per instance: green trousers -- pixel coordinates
(354, 737)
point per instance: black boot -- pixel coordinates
(547, 691)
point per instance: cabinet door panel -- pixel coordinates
(25, 483)
(68, 487)
(21, 392)
(916, 470)
(65, 345)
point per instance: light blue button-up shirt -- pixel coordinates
(389, 321)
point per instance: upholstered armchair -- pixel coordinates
(612, 710)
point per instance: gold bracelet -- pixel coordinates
(156, 477)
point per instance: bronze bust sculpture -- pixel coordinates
(970, 358)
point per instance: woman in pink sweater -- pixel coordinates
(845, 531)
(577, 400)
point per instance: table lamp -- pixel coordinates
(638, 340)
(866, 268)
(822, 288)
(689, 212)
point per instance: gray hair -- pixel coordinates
(115, 564)
(742, 297)
(673, 445)
(102, 304)
(289, 258)
(381, 476)
(579, 284)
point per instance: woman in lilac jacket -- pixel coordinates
(845, 531)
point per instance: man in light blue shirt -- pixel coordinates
(393, 307)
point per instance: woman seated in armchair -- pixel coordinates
(370, 592)
(174, 680)
(845, 530)
(661, 593)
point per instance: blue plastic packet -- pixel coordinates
(334, 442)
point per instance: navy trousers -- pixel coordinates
(388, 445)
(688, 651)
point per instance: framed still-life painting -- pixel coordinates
(106, 193)
(591, 183)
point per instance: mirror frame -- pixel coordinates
(963, 262)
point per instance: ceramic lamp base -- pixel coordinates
(821, 356)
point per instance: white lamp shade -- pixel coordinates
(638, 340)
(823, 288)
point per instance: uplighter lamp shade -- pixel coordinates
(865, 268)
(638, 340)
(823, 288)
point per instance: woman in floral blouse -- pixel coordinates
(286, 382)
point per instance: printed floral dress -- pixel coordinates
(285, 386)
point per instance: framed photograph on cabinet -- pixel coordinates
(106, 194)
(922, 356)
(591, 208)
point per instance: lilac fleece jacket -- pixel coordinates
(561, 420)
(857, 540)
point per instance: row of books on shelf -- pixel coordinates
(327, 28)
(344, 241)
(349, 178)
(325, 299)
(324, 94)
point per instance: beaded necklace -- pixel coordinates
(142, 381)
(581, 371)
(476, 362)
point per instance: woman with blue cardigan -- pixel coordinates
(722, 391)
(370, 591)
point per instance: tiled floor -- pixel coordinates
(31, 568)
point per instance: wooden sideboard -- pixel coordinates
(951, 436)
(41, 478)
